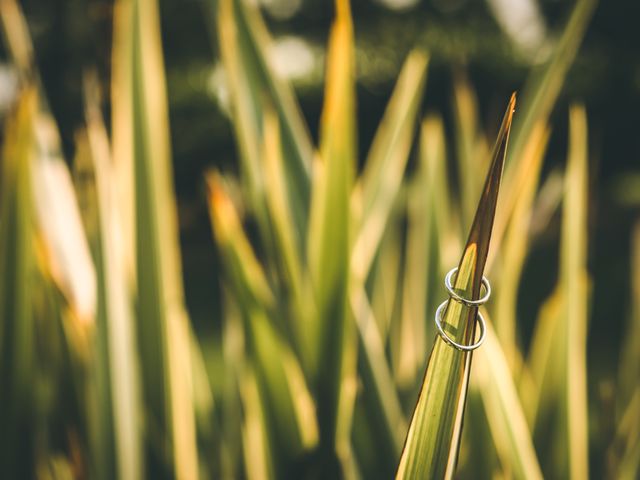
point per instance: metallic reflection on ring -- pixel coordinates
(449, 340)
(469, 303)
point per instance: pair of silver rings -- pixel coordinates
(453, 295)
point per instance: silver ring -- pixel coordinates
(453, 343)
(466, 301)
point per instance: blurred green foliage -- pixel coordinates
(328, 259)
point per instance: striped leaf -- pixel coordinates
(431, 447)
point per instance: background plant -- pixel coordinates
(330, 272)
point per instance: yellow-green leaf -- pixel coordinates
(329, 241)
(515, 247)
(17, 270)
(432, 443)
(116, 418)
(506, 419)
(471, 151)
(573, 282)
(140, 103)
(251, 78)
(287, 406)
(541, 92)
(386, 162)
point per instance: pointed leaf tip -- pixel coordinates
(480, 233)
(432, 443)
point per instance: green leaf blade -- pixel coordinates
(432, 443)
(146, 169)
(329, 243)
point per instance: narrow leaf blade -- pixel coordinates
(432, 443)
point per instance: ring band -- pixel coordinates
(453, 343)
(466, 301)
